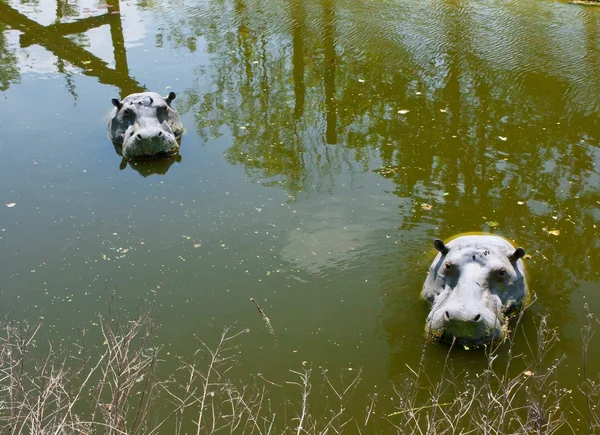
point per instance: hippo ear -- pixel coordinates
(170, 97)
(117, 103)
(519, 253)
(440, 246)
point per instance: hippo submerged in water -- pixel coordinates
(145, 126)
(474, 282)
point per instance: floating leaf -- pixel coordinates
(197, 245)
(528, 373)
(11, 204)
(443, 110)
(403, 111)
(502, 138)
(520, 202)
(551, 232)
(426, 206)
(492, 223)
(361, 80)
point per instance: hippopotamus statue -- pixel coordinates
(474, 283)
(145, 125)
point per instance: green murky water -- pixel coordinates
(328, 142)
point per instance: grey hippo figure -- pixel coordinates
(144, 125)
(474, 283)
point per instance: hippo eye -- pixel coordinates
(501, 273)
(127, 112)
(449, 267)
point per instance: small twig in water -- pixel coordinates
(419, 408)
(271, 330)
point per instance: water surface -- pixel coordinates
(328, 143)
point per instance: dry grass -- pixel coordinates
(47, 395)
(118, 391)
(490, 402)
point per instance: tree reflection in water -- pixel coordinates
(491, 140)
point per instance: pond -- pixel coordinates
(327, 144)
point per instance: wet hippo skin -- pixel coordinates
(144, 125)
(473, 284)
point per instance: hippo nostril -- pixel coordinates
(477, 318)
(159, 133)
(139, 136)
(447, 315)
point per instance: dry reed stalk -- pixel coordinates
(117, 391)
(279, 357)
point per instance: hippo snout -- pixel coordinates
(465, 324)
(149, 141)
(455, 314)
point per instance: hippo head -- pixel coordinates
(145, 125)
(473, 283)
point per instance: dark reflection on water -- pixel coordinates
(54, 39)
(349, 135)
(150, 167)
(494, 137)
